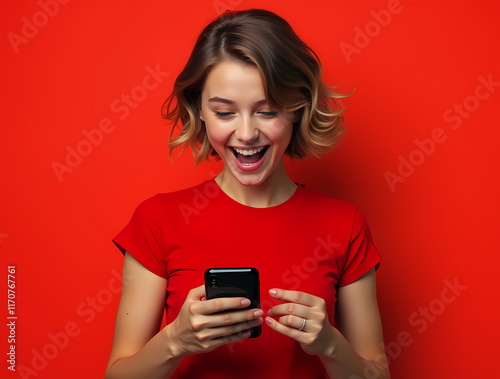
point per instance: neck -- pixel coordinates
(275, 190)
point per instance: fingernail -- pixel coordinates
(269, 320)
(258, 313)
(273, 292)
(245, 302)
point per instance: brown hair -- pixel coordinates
(290, 72)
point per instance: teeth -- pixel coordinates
(248, 152)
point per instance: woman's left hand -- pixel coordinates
(302, 310)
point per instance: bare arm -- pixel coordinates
(358, 352)
(139, 349)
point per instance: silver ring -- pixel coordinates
(303, 325)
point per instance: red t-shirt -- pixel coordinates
(309, 243)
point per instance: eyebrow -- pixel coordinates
(217, 99)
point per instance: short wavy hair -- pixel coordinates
(291, 74)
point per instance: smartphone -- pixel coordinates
(235, 282)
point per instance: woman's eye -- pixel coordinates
(223, 114)
(269, 114)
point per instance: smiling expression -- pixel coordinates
(249, 135)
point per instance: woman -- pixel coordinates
(250, 93)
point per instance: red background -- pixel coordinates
(436, 224)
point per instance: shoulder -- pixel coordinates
(164, 202)
(332, 211)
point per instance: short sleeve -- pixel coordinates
(362, 254)
(142, 238)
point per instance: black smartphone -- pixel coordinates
(235, 282)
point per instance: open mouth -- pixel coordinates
(249, 157)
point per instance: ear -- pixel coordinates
(200, 110)
(296, 116)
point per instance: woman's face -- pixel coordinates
(249, 136)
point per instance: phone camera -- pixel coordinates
(212, 280)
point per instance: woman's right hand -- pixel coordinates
(199, 328)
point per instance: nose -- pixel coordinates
(246, 130)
